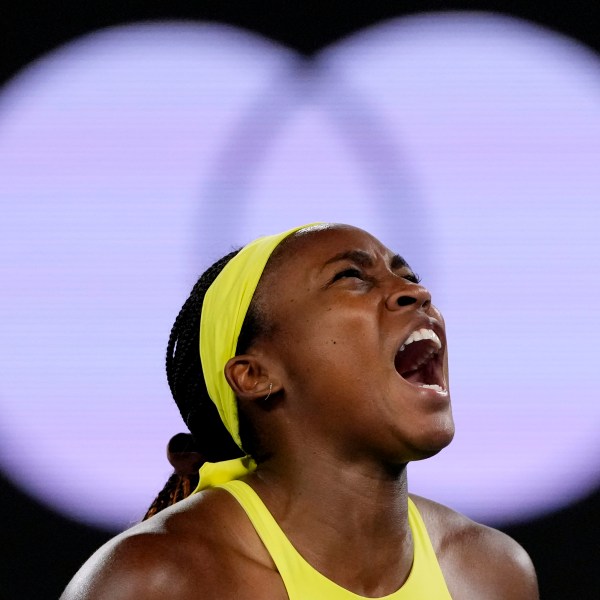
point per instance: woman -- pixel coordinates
(329, 367)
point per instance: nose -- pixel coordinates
(409, 294)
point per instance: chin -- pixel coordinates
(433, 443)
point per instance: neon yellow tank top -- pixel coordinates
(303, 582)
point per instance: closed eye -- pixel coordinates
(356, 273)
(412, 277)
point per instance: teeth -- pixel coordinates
(422, 334)
(416, 336)
(433, 386)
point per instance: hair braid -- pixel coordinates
(211, 440)
(184, 374)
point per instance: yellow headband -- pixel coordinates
(223, 312)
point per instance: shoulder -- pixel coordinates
(200, 548)
(477, 561)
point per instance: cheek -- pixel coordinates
(323, 350)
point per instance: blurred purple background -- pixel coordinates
(133, 156)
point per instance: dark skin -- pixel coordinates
(340, 428)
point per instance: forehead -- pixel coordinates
(315, 248)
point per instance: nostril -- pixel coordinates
(406, 300)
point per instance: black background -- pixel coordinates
(40, 550)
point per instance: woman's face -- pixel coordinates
(348, 315)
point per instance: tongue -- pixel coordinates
(415, 377)
(424, 374)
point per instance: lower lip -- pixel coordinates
(433, 397)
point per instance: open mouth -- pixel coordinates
(419, 361)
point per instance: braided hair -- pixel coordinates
(209, 439)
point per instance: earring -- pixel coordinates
(270, 390)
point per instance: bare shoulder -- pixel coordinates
(477, 561)
(202, 548)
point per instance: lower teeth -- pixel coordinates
(432, 386)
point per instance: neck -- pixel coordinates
(349, 521)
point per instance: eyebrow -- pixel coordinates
(364, 259)
(398, 262)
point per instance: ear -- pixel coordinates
(249, 377)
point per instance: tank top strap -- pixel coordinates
(426, 579)
(302, 581)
